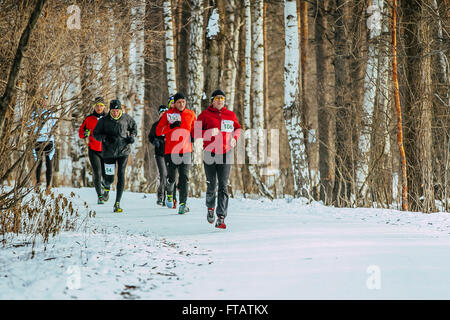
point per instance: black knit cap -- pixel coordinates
(115, 104)
(162, 108)
(99, 100)
(217, 92)
(178, 96)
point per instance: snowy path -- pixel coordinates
(271, 250)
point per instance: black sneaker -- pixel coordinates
(160, 202)
(220, 222)
(210, 215)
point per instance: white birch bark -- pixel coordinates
(251, 138)
(112, 57)
(69, 136)
(370, 90)
(77, 146)
(137, 86)
(442, 57)
(258, 79)
(170, 51)
(291, 101)
(248, 64)
(196, 83)
(231, 73)
(384, 81)
(195, 67)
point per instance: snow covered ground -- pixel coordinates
(270, 250)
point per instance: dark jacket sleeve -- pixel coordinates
(98, 133)
(152, 134)
(132, 127)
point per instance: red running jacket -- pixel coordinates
(178, 139)
(226, 121)
(89, 124)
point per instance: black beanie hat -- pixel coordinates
(178, 96)
(217, 92)
(99, 100)
(162, 108)
(115, 104)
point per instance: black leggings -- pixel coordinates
(98, 169)
(161, 163)
(109, 179)
(183, 167)
(46, 147)
(217, 171)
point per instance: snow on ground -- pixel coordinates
(278, 249)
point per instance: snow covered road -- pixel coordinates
(270, 250)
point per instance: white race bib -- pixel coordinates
(227, 126)
(110, 169)
(173, 117)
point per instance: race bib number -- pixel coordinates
(227, 126)
(110, 169)
(173, 117)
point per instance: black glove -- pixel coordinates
(87, 133)
(175, 124)
(157, 143)
(129, 139)
(111, 139)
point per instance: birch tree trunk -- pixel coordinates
(291, 101)
(213, 46)
(170, 51)
(231, 63)
(196, 84)
(258, 79)
(370, 90)
(251, 135)
(137, 179)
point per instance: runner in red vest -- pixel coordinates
(220, 131)
(95, 146)
(177, 124)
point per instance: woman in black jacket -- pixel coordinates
(116, 131)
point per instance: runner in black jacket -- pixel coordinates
(158, 142)
(116, 131)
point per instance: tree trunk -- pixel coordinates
(370, 93)
(136, 96)
(291, 102)
(418, 106)
(196, 85)
(325, 99)
(405, 205)
(10, 91)
(214, 42)
(170, 52)
(310, 109)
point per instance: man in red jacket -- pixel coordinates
(95, 146)
(177, 124)
(220, 131)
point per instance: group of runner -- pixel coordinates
(112, 133)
